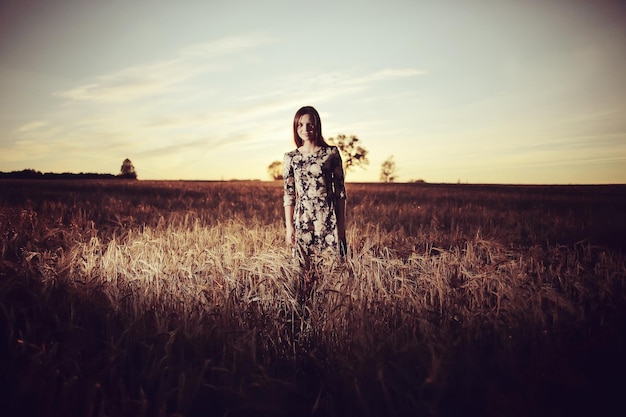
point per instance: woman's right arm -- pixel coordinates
(290, 237)
(289, 198)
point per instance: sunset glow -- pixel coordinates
(487, 92)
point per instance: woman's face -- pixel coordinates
(306, 127)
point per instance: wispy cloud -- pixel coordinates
(188, 105)
(130, 83)
(151, 128)
(288, 92)
(32, 126)
(156, 78)
(386, 74)
(227, 45)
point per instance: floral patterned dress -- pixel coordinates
(313, 183)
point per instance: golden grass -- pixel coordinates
(440, 300)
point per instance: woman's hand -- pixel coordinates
(343, 248)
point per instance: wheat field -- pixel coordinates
(181, 299)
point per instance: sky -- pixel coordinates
(484, 91)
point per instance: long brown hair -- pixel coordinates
(317, 128)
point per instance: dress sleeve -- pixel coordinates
(289, 196)
(338, 176)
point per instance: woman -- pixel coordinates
(314, 191)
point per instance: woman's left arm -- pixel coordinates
(340, 201)
(340, 211)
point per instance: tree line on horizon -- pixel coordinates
(352, 153)
(127, 171)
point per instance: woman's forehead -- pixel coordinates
(306, 118)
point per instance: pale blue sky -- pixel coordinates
(476, 91)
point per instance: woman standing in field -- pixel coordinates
(314, 193)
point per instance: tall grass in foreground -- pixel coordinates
(196, 312)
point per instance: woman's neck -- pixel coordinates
(309, 146)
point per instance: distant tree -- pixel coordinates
(352, 153)
(388, 170)
(25, 174)
(128, 170)
(275, 170)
